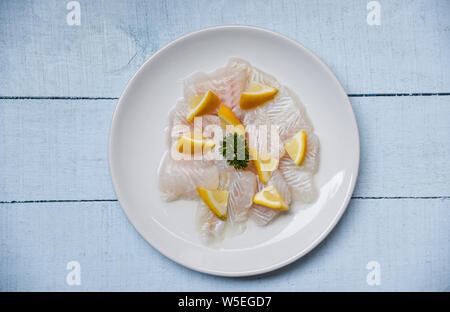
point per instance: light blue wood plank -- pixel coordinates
(405, 146)
(58, 149)
(55, 149)
(409, 238)
(40, 55)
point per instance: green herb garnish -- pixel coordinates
(234, 149)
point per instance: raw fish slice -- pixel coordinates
(227, 83)
(225, 180)
(240, 114)
(210, 227)
(263, 215)
(312, 157)
(280, 183)
(251, 168)
(254, 74)
(177, 115)
(178, 122)
(285, 110)
(288, 113)
(242, 189)
(260, 135)
(257, 115)
(225, 174)
(222, 165)
(180, 178)
(265, 139)
(299, 180)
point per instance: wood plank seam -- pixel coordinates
(115, 200)
(116, 98)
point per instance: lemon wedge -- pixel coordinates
(256, 94)
(270, 197)
(226, 114)
(194, 143)
(264, 165)
(296, 147)
(216, 200)
(202, 104)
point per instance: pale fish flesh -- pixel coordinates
(227, 83)
(300, 181)
(242, 189)
(180, 178)
(210, 227)
(263, 215)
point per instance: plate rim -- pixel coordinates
(332, 224)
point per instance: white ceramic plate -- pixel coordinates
(137, 142)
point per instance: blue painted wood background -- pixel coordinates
(59, 85)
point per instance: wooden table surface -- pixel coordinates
(59, 87)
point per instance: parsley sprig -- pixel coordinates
(235, 150)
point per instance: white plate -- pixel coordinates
(137, 142)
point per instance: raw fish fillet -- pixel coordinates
(263, 215)
(300, 181)
(178, 113)
(312, 157)
(180, 178)
(242, 189)
(225, 174)
(265, 139)
(177, 117)
(279, 182)
(253, 73)
(285, 110)
(227, 83)
(211, 228)
(288, 113)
